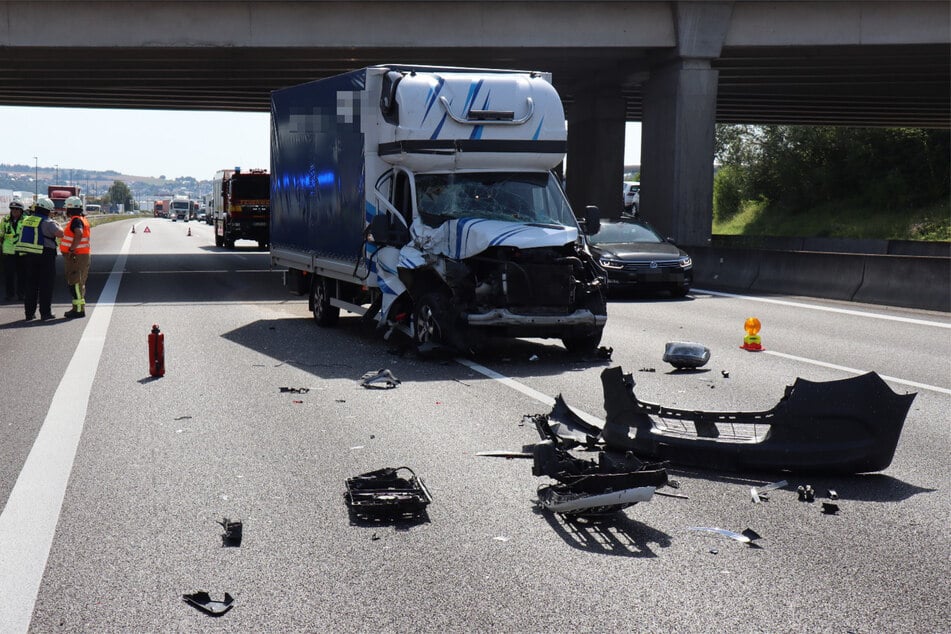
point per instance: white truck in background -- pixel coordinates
(425, 197)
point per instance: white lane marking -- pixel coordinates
(829, 309)
(544, 399)
(891, 379)
(28, 522)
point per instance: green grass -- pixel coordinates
(757, 218)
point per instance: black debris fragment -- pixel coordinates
(384, 494)
(296, 390)
(380, 380)
(725, 374)
(604, 352)
(828, 508)
(686, 355)
(647, 370)
(234, 532)
(806, 493)
(203, 601)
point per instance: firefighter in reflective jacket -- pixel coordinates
(75, 248)
(37, 243)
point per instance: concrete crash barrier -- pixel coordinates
(907, 281)
(912, 282)
(831, 275)
(724, 268)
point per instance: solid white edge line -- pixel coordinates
(829, 309)
(28, 521)
(891, 379)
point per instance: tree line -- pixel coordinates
(795, 169)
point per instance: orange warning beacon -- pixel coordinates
(752, 341)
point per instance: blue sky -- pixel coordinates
(153, 143)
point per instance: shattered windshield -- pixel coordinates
(529, 197)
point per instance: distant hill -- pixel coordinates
(21, 177)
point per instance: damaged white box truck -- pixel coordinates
(424, 198)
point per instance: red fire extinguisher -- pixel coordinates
(156, 352)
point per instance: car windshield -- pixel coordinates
(624, 232)
(529, 197)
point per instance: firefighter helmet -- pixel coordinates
(74, 202)
(46, 204)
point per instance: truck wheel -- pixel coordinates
(229, 244)
(582, 344)
(324, 314)
(429, 318)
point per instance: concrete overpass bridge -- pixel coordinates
(676, 66)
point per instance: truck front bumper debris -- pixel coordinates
(846, 426)
(507, 318)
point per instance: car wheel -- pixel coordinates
(324, 314)
(679, 291)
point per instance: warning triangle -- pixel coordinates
(147, 230)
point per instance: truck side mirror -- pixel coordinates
(591, 222)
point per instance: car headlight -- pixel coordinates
(611, 264)
(686, 263)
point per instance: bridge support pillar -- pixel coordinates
(677, 138)
(595, 167)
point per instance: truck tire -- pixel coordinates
(229, 243)
(429, 320)
(324, 314)
(582, 344)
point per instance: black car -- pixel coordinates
(635, 256)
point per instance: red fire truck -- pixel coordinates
(59, 193)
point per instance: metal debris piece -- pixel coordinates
(846, 426)
(296, 390)
(587, 488)
(829, 508)
(686, 355)
(748, 536)
(725, 374)
(234, 532)
(806, 493)
(760, 494)
(202, 601)
(833, 495)
(386, 495)
(380, 380)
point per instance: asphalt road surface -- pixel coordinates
(114, 483)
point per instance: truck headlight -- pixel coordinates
(686, 263)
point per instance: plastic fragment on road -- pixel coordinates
(234, 533)
(748, 536)
(686, 355)
(203, 601)
(384, 494)
(382, 379)
(760, 494)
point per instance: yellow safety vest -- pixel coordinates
(31, 238)
(10, 233)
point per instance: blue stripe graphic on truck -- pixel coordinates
(538, 130)
(431, 98)
(439, 127)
